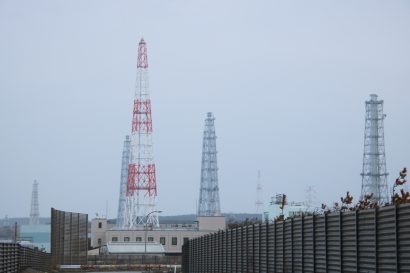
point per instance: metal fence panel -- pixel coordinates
(297, 245)
(263, 249)
(201, 254)
(320, 243)
(308, 245)
(208, 254)
(386, 240)
(192, 256)
(256, 245)
(403, 237)
(333, 240)
(367, 241)
(219, 251)
(249, 255)
(228, 248)
(288, 247)
(239, 250)
(349, 242)
(271, 247)
(244, 250)
(234, 250)
(279, 248)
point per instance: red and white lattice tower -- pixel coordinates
(141, 182)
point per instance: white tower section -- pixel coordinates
(34, 212)
(209, 190)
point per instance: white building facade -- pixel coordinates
(171, 236)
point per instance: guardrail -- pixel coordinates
(372, 240)
(15, 258)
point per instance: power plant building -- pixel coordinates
(170, 236)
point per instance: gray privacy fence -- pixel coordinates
(372, 240)
(15, 258)
(69, 242)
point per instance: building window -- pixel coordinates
(150, 239)
(99, 241)
(138, 239)
(99, 225)
(174, 241)
(114, 239)
(186, 239)
(126, 239)
(162, 240)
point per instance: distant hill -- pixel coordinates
(191, 218)
(175, 219)
(240, 217)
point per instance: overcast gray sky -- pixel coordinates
(286, 80)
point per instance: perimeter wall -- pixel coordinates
(372, 240)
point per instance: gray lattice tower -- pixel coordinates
(34, 212)
(209, 190)
(123, 182)
(374, 174)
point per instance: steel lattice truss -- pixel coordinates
(209, 191)
(141, 187)
(374, 174)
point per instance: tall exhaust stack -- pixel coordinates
(34, 211)
(141, 189)
(374, 174)
(209, 189)
(123, 180)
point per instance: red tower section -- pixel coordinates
(142, 178)
(141, 118)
